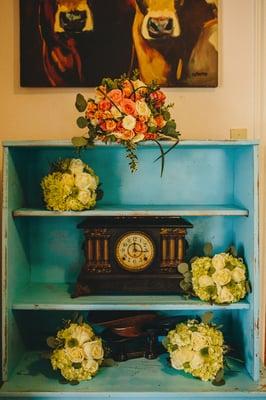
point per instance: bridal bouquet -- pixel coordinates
(71, 185)
(219, 279)
(198, 349)
(126, 111)
(77, 352)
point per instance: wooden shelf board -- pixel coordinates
(139, 210)
(34, 377)
(40, 296)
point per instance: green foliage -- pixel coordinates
(81, 103)
(82, 122)
(208, 249)
(207, 317)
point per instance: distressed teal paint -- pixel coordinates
(213, 184)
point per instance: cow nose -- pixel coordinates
(160, 27)
(73, 21)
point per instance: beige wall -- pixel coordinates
(200, 113)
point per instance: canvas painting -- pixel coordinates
(72, 43)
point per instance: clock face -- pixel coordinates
(134, 251)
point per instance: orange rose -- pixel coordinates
(110, 125)
(90, 111)
(158, 97)
(128, 106)
(104, 105)
(127, 88)
(127, 135)
(107, 115)
(103, 126)
(150, 136)
(160, 121)
(140, 127)
(115, 95)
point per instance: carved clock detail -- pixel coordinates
(133, 255)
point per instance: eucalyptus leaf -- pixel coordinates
(184, 285)
(79, 141)
(232, 250)
(207, 317)
(219, 379)
(109, 362)
(188, 276)
(82, 122)
(81, 103)
(80, 319)
(208, 249)
(52, 342)
(182, 268)
(248, 287)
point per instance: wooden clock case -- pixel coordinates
(102, 273)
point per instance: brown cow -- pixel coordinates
(83, 41)
(165, 33)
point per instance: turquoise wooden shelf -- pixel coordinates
(153, 379)
(40, 296)
(213, 184)
(141, 210)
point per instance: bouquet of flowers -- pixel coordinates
(219, 279)
(70, 185)
(197, 348)
(77, 352)
(126, 111)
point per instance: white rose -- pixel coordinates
(85, 181)
(115, 112)
(176, 339)
(142, 108)
(94, 349)
(84, 196)
(138, 84)
(197, 361)
(129, 122)
(224, 295)
(198, 341)
(76, 166)
(205, 281)
(68, 181)
(238, 275)
(90, 365)
(180, 357)
(75, 354)
(218, 261)
(81, 333)
(222, 277)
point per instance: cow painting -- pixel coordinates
(78, 42)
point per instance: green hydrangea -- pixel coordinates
(197, 348)
(78, 353)
(71, 186)
(220, 279)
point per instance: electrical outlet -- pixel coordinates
(238, 133)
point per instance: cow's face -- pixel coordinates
(160, 18)
(73, 16)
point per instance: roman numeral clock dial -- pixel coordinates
(134, 251)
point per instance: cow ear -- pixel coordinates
(142, 6)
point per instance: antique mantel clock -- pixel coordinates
(132, 255)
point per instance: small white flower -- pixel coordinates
(115, 112)
(205, 281)
(76, 166)
(94, 349)
(84, 196)
(238, 275)
(180, 357)
(224, 295)
(138, 84)
(129, 122)
(218, 261)
(199, 341)
(142, 108)
(222, 277)
(85, 181)
(197, 361)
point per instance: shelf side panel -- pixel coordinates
(246, 241)
(15, 262)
